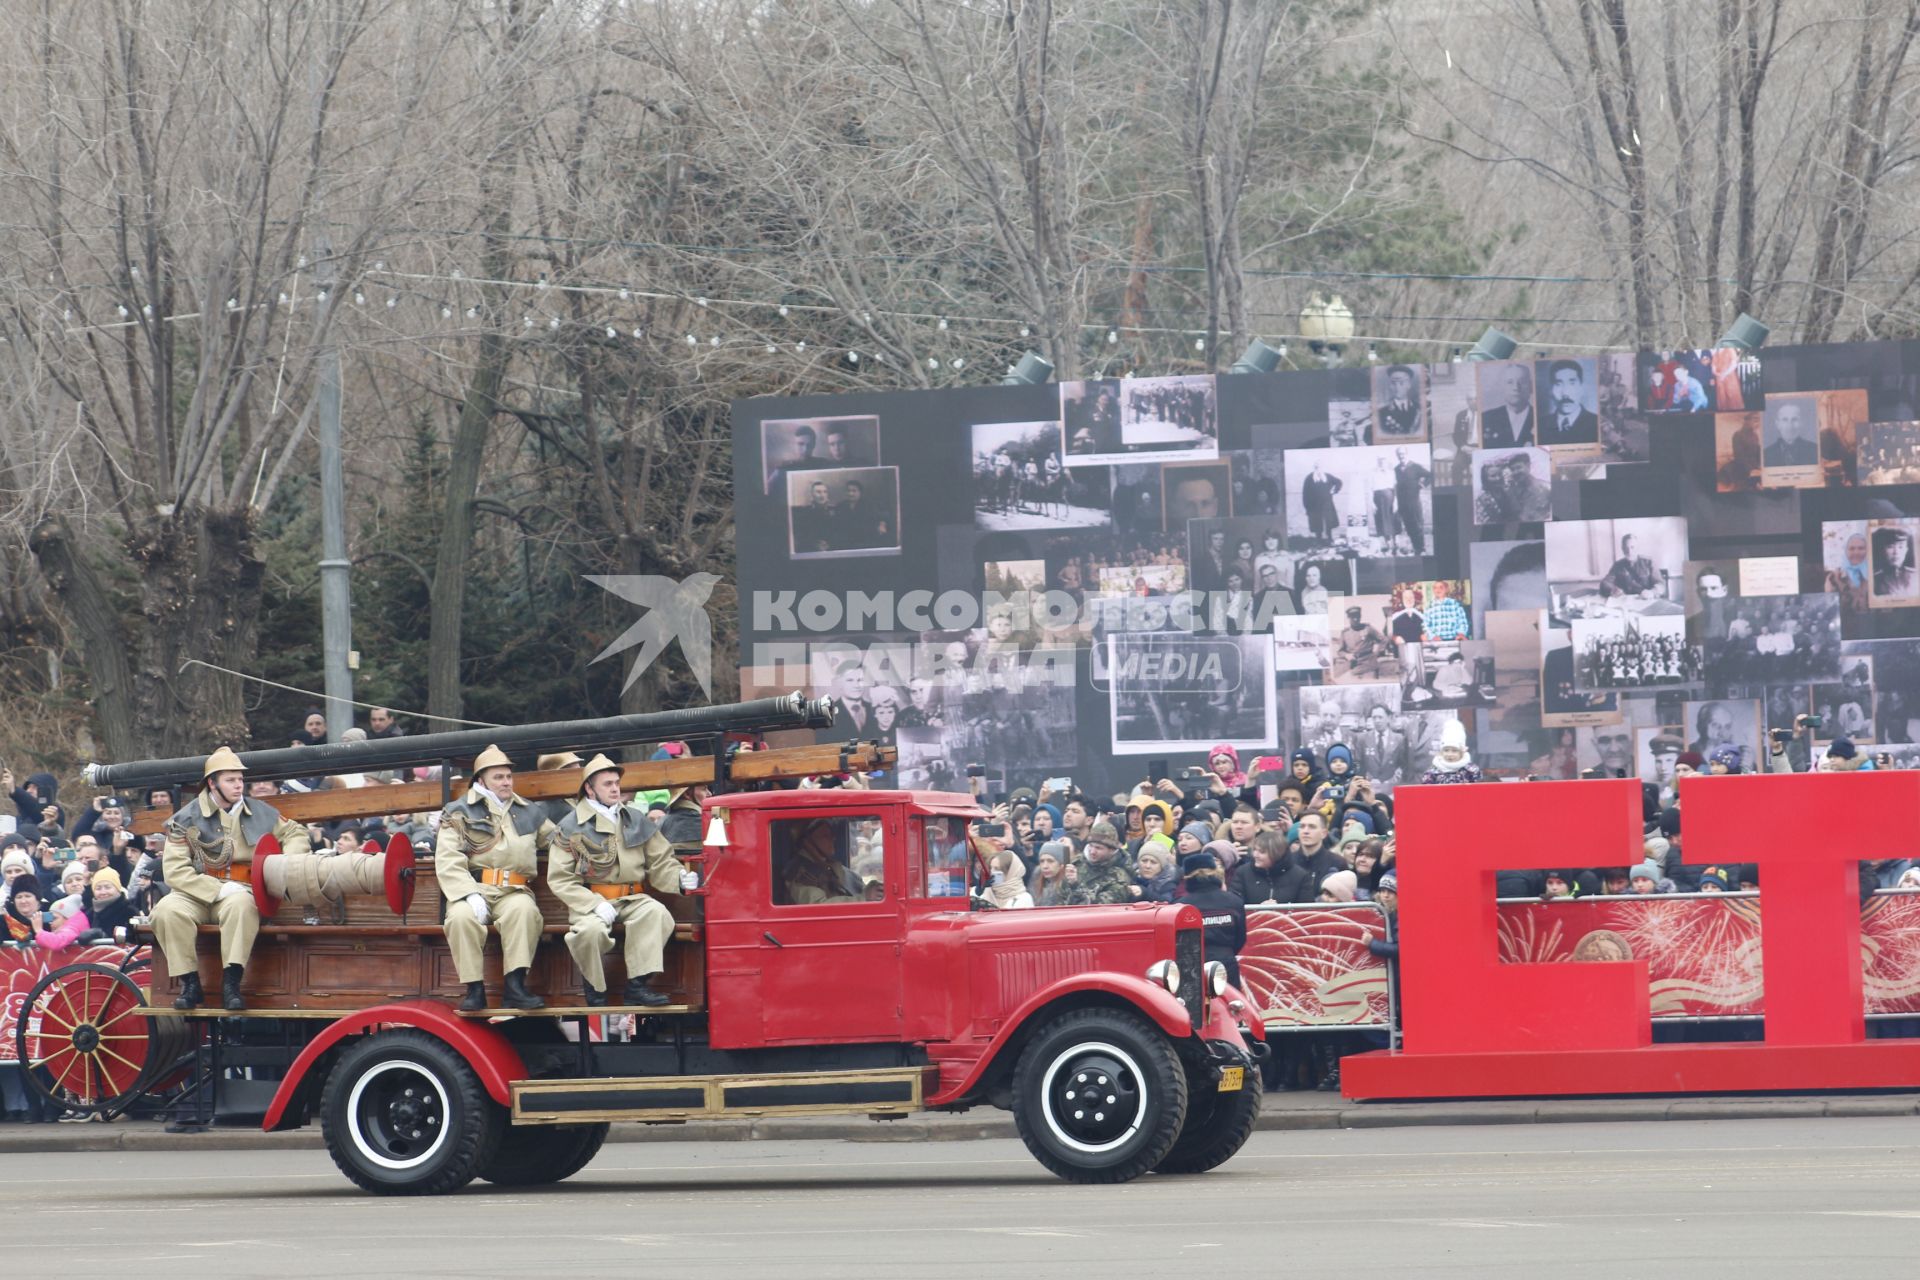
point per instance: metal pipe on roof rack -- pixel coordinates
(522, 742)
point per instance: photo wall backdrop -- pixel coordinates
(1591, 560)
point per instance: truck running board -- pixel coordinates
(891, 1092)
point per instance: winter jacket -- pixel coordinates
(63, 937)
(1223, 920)
(30, 807)
(1284, 881)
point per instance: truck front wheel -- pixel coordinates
(404, 1115)
(1218, 1125)
(1099, 1096)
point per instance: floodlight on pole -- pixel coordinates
(1745, 334)
(1327, 324)
(1258, 358)
(1493, 345)
(1033, 370)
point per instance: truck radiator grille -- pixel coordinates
(1021, 973)
(1186, 953)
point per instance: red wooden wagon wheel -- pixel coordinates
(87, 1026)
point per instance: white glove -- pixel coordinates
(605, 911)
(232, 887)
(478, 905)
(689, 881)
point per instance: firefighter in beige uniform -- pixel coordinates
(604, 857)
(208, 864)
(485, 857)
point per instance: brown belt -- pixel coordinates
(616, 891)
(240, 872)
(510, 879)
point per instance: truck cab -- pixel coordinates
(846, 916)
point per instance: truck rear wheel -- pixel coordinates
(533, 1154)
(1218, 1125)
(404, 1115)
(1099, 1096)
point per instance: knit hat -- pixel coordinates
(1340, 751)
(1656, 848)
(1694, 760)
(1389, 883)
(1198, 862)
(1306, 753)
(1199, 831)
(1343, 885)
(1059, 850)
(105, 875)
(1360, 816)
(1728, 755)
(17, 858)
(28, 883)
(1716, 876)
(1842, 748)
(1646, 871)
(1103, 833)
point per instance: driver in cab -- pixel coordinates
(815, 873)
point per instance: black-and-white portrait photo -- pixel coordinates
(1773, 640)
(1790, 436)
(1360, 640)
(1195, 491)
(1563, 703)
(1894, 581)
(1172, 691)
(1605, 747)
(1349, 422)
(1508, 418)
(1399, 404)
(1569, 402)
(1368, 501)
(843, 513)
(1020, 480)
(1512, 486)
(1090, 422)
(1616, 566)
(1717, 724)
(817, 444)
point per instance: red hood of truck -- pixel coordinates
(966, 971)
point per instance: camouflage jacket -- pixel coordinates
(1100, 884)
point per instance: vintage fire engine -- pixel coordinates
(1119, 1048)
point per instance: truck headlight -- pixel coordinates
(1216, 976)
(1167, 974)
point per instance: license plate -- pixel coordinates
(1232, 1079)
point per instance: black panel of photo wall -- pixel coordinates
(1589, 560)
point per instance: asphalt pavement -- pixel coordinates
(1752, 1198)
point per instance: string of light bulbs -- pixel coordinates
(943, 322)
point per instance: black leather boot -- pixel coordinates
(230, 988)
(639, 992)
(595, 997)
(516, 995)
(475, 999)
(190, 993)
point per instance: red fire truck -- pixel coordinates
(1119, 1048)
